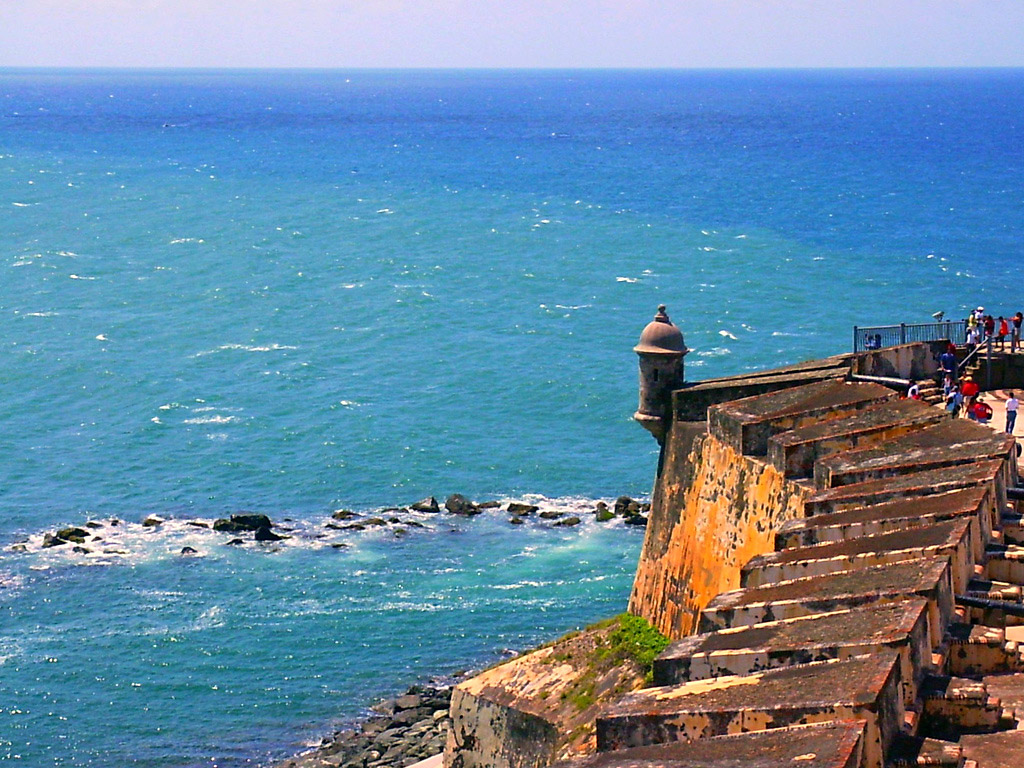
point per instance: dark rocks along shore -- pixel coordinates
(402, 731)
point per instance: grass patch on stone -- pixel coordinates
(636, 639)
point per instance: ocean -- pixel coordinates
(298, 292)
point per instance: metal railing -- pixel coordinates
(868, 337)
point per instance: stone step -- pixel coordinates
(891, 459)
(952, 706)
(994, 590)
(865, 688)
(1005, 562)
(876, 628)
(1012, 527)
(977, 650)
(995, 750)
(837, 744)
(919, 752)
(747, 424)
(883, 518)
(1009, 688)
(958, 539)
(793, 453)
(918, 484)
(926, 577)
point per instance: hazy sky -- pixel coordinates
(511, 33)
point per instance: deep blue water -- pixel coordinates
(296, 292)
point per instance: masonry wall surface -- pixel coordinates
(713, 510)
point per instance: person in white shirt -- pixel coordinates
(1012, 404)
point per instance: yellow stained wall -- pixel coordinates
(713, 510)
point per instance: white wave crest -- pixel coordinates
(214, 419)
(244, 348)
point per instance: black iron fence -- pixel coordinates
(879, 336)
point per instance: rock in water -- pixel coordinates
(517, 508)
(49, 540)
(516, 520)
(603, 515)
(242, 523)
(265, 534)
(458, 504)
(152, 521)
(626, 507)
(343, 514)
(76, 535)
(550, 514)
(426, 505)
(251, 522)
(188, 551)
(636, 520)
(488, 505)
(568, 522)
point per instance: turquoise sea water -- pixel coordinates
(296, 292)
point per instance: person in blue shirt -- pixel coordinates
(947, 362)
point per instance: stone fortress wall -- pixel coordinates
(839, 570)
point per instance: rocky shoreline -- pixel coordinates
(414, 726)
(401, 731)
(93, 537)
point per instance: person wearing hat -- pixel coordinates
(972, 325)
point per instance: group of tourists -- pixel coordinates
(981, 328)
(965, 396)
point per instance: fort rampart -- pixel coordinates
(835, 565)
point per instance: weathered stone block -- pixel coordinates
(747, 424)
(928, 578)
(819, 745)
(795, 452)
(958, 539)
(926, 483)
(865, 688)
(950, 442)
(876, 628)
(886, 517)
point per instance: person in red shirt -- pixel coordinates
(969, 390)
(980, 412)
(1004, 331)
